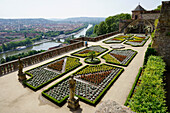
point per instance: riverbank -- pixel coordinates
(43, 44)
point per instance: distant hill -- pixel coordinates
(26, 21)
(82, 19)
(53, 20)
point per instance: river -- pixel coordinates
(43, 46)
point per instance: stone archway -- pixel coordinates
(139, 26)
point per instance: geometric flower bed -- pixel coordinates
(117, 39)
(92, 81)
(120, 57)
(46, 73)
(85, 52)
(137, 41)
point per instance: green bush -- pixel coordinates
(150, 94)
(150, 51)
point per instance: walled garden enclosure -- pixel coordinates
(92, 81)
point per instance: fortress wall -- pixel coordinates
(150, 16)
(161, 41)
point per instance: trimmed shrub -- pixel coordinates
(150, 51)
(150, 94)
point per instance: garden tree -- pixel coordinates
(101, 28)
(92, 55)
(95, 29)
(108, 22)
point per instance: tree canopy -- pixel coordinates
(110, 24)
(158, 8)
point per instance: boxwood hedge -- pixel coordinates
(49, 81)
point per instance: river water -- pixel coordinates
(42, 46)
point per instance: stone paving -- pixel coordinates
(15, 98)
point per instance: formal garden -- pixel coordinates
(119, 57)
(117, 39)
(46, 73)
(133, 40)
(137, 40)
(86, 52)
(92, 81)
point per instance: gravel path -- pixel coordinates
(15, 98)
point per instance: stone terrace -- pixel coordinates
(15, 98)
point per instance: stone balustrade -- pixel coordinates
(94, 39)
(33, 59)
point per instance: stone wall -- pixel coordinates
(150, 16)
(123, 24)
(33, 59)
(161, 41)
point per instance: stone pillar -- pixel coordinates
(21, 75)
(73, 101)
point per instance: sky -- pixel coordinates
(70, 8)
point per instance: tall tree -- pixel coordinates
(111, 24)
(101, 29)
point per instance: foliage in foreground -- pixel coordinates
(150, 94)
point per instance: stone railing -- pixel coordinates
(94, 39)
(30, 60)
(33, 59)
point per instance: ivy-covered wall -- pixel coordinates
(161, 39)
